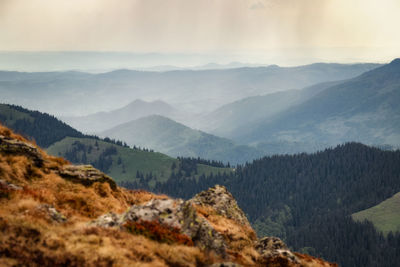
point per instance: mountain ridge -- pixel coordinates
(125, 164)
(228, 119)
(175, 139)
(80, 93)
(355, 110)
(101, 121)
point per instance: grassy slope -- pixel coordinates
(385, 216)
(131, 160)
(157, 164)
(31, 236)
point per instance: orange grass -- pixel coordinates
(29, 237)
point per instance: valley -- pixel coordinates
(192, 133)
(289, 158)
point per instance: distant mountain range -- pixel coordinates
(209, 66)
(321, 115)
(316, 202)
(102, 121)
(167, 136)
(232, 118)
(363, 109)
(76, 93)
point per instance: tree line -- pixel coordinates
(307, 200)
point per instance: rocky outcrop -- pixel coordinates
(13, 146)
(107, 220)
(137, 228)
(179, 221)
(271, 248)
(219, 198)
(86, 175)
(173, 215)
(201, 232)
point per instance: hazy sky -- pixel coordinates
(328, 29)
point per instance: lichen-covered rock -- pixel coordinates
(174, 214)
(166, 211)
(86, 175)
(270, 243)
(200, 230)
(219, 198)
(223, 231)
(16, 147)
(107, 220)
(273, 247)
(52, 213)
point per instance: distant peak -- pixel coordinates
(395, 61)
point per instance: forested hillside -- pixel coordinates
(41, 127)
(308, 200)
(125, 164)
(131, 165)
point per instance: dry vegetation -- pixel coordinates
(30, 236)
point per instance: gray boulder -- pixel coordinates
(86, 175)
(16, 147)
(172, 214)
(272, 247)
(220, 199)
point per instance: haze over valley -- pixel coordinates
(200, 133)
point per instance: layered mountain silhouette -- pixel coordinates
(123, 163)
(362, 109)
(77, 93)
(101, 121)
(175, 139)
(229, 119)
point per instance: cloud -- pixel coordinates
(257, 5)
